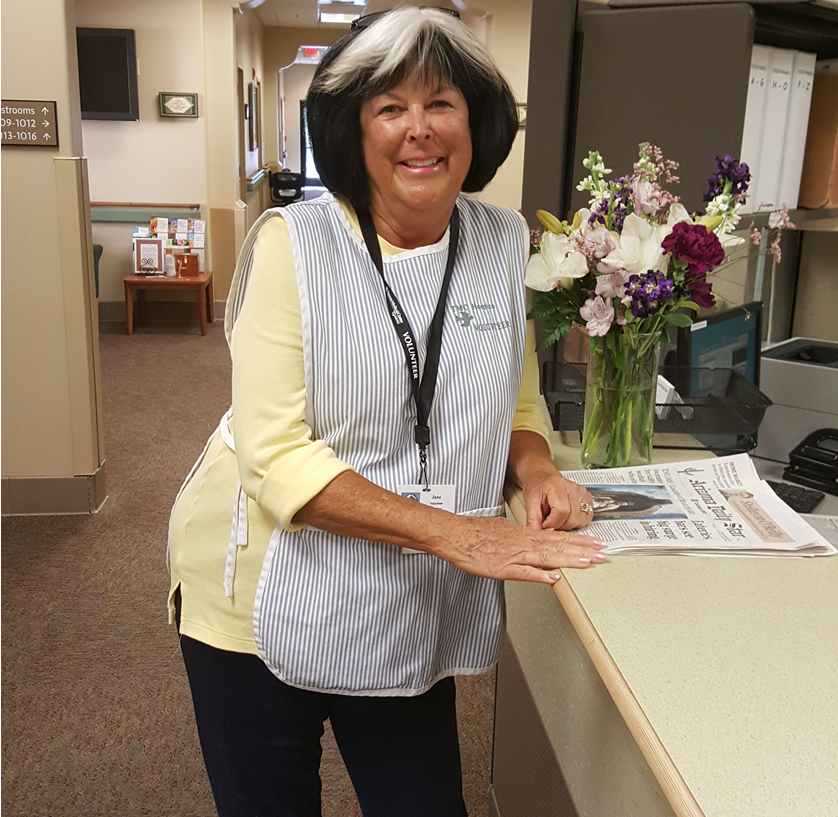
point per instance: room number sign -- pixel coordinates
(29, 122)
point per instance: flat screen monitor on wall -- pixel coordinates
(107, 73)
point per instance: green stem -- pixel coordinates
(620, 400)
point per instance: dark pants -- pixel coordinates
(261, 742)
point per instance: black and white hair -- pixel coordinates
(427, 43)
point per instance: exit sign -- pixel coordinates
(311, 52)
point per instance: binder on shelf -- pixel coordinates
(770, 165)
(754, 117)
(802, 78)
(819, 182)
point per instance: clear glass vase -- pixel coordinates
(620, 400)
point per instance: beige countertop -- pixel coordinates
(725, 670)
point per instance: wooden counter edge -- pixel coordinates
(669, 778)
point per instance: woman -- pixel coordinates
(610, 504)
(378, 358)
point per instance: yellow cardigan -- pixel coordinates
(280, 466)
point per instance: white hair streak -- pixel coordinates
(391, 41)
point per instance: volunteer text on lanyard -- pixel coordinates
(423, 389)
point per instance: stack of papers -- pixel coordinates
(712, 507)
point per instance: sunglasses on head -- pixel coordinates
(365, 22)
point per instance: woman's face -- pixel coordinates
(417, 147)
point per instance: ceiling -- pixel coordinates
(291, 14)
(303, 13)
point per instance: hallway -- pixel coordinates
(95, 703)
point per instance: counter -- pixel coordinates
(669, 685)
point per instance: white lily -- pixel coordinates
(558, 263)
(581, 220)
(730, 241)
(677, 212)
(639, 247)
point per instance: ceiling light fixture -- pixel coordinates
(340, 12)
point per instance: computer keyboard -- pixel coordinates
(798, 498)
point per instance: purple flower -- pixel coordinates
(701, 291)
(694, 244)
(598, 215)
(598, 315)
(617, 204)
(729, 170)
(648, 292)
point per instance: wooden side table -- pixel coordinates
(202, 284)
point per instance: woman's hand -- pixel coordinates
(492, 547)
(550, 500)
(498, 549)
(557, 503)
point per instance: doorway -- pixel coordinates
(311, 176)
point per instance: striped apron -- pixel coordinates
(352, 616)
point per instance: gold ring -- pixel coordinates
(586, 507)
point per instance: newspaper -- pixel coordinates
(711, 507)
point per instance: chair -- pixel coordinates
(286, 187)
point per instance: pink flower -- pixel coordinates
(610, 284)
(783, 216)
(598, 315)
(646, 198)
(622, 308)
(596, 243)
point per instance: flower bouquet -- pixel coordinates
(629, 266)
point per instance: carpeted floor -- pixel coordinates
(97, 718)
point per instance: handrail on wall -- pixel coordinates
(256, 179)
(129, 212)
(145, 204)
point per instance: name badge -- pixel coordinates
(435, 496)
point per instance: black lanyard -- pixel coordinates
(424, 387)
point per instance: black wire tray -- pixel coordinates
(721, 410)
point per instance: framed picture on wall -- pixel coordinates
(253, 119)
(174, 103)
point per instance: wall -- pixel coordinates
(281, 45)
(249, 36)
(154, 159)
(188, 46)
(51, 411)
(249, 33)
(507, 36)
(227, 217)
(295, 85)
(817, 287)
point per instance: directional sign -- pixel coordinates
(29, 122)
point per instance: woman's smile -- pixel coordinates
(417, 150)
(421, 165)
